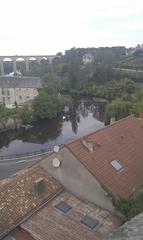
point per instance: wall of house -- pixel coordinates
(9, 96)
(76, 178)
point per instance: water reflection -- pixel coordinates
(42, 131)
(83, 109)
(81, 119)
(74, 116)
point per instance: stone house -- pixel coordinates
(36, 206)
(18, 91)
(103, 165)
(87, 58)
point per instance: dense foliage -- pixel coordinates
(104, 76)
(17, 113)
(48, 106)
(130, 208)
(110, 75)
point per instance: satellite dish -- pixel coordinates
(56, 149)
(56, 162)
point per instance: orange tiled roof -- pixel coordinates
(16, 199)
(50, 223)
(121, 141)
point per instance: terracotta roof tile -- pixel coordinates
(50, 223)
(16, 198)
(121, 141)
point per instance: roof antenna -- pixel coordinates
(56, 162)
(56, 149)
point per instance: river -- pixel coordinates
(83, 117)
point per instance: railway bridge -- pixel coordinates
(25, 58)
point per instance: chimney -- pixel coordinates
(38, 187)
(87, 144)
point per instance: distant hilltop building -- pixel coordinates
(87, 58)
(134, 50)
(17, 90)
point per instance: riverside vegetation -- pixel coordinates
(110, 75)
(68, 77)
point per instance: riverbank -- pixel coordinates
(12, 119)
(10, 124)
(44, 134)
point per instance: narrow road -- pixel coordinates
(11, 166)
(8, 169)
(128, 70)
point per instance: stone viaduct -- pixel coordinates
(26, 58)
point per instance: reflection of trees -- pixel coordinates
(46, 130)
(74, 116)
(88, 106)
(101, 111)
(7, 137)
(43, 131)
(97, 109)
(83, 109)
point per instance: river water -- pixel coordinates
(83, 117)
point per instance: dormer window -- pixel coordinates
(116, 165)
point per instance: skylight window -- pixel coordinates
(89, 222)
(116, 165)
(63, 207)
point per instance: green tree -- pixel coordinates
(52, 83)
(130, 208)
(136, 108)
(118, 109)
(26, 115)
(48, 106)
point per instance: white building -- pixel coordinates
(87, 58)
(17, 91)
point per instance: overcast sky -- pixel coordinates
(50, 26)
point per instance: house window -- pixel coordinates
(8, 99)
(27, 97)
(3, 99)
(2, 92)
(8, 93)
(116, 165)
(20, 97)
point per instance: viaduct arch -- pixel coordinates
(26, 58)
